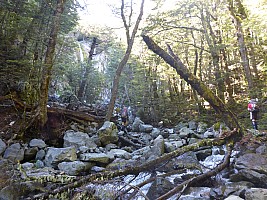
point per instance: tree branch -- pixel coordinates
(174, 61)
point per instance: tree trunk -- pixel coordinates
(123, 62)
(87, 70)
(48, 63)
(147, 166)
(175, 62)
(214, 51)
(241, 40)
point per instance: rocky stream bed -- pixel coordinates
(34, 168)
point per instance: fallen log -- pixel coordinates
(148, 166)
(76, 114)
(181, 187)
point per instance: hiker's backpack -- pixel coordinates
(252, 106)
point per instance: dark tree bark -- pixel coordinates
(48, 64)
(175, 62)
(87, 70)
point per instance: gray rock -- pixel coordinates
(165, 133)
(108, 133)
(11, 192)
(193, 140)
(155, 132)
(233, 197)
(27, 166)
(136, 124)
(188, 158)
(236, 188)
(196, 193)
(159, 187)
(203, 154)
(111, 146)
(97, 169)
(78, 139)
(256, 194)
(254, 177)
(146, 138)
(185, 132)
(39, 164)
(158, 146)
(14, 153)
(192, 125)
(97, 157)
(174, 137)
(261, 150)
(173, 145)
(209, 134)
(146, 128)
(2, 146)
(253, 161)
(83, 149)
(56, 155)
(75, 167)
(37, 143)
(179, 126)
(202, 127)
(40, 155)
(119, 153)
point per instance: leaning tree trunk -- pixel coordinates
(174, 61)
(123, 62)
(48, 64)
(87, 70)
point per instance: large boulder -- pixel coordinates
(251, 167)
(136, 124)
(14, 153)
(108, 133)
(146, 128)
(256, 194)
(156, 150)
(78, 139)
(37, 143)
(56, 155)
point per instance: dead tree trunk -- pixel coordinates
(174, 61)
